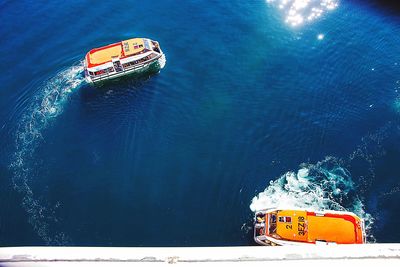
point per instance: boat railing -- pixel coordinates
(107, 74)
(364, 234)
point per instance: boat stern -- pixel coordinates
(88, 79)
(261, 227)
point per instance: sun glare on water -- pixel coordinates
(298, 12)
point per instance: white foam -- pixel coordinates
(396, 103)
(47, 104)
(322, 186)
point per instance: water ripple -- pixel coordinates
(47, 104)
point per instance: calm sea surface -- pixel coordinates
(301, 105)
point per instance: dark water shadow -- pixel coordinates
(390, 7)
(130, 82)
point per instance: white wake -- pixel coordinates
(47, 104)
(322, 186)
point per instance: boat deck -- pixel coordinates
(101, 55)
(309, 227)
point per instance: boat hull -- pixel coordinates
(305, 227)
(153, 65)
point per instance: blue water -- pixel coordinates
(248, 103)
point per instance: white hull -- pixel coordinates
(156, 62)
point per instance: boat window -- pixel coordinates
(272, 224)
(152, 55)
(138, 46)
(129, 64)
(132, 63)
(100, 72)
(273, 218)
(285, 219)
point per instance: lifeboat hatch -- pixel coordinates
(117, 64)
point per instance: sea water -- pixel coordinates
(261, 103)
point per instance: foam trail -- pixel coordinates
(47, 104)
(397, 99)
(323, 186)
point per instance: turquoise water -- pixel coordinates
(254, 98)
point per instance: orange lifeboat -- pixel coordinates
(298, 227)
(123, 58)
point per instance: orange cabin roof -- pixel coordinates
(303, 226)
(104, 54)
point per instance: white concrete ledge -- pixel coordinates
(240, 256)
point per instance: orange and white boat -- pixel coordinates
(123, 58)
(300, 227)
